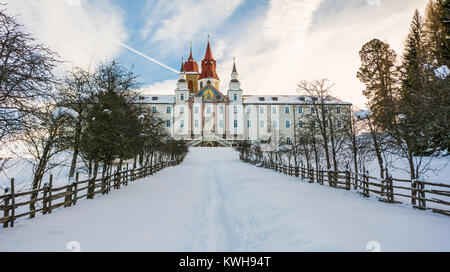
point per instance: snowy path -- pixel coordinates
(213, 202)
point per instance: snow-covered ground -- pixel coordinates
(214, 202)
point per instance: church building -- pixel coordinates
(201, 114)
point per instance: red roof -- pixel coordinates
(191, 65)
(209, 65)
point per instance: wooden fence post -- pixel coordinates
(68, 199)
(13, 203)
(117, 179)
(296, 172)
(366, 184)
(335, 178)
(45, 199)
(422, 198)
(108, 183)
(330, 178)
(50, 193)
(413, 192)
(363, 183)
(6, 208)
(347, 180)
(91, 188)
(391, 188)
(75, 189)
(104, 188)
(127, 177)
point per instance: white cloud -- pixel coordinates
(181, 20)
(81, 32)
(292, 48)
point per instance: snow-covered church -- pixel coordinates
(202, 115)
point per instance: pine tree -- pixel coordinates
(437, 46)
(378, 72)
(415, 93)
(436, 31)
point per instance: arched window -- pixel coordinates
(191, 85)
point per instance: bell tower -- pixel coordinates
(209, 74)
(192, 74)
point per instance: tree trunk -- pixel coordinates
(76, 150)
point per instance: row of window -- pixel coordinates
(287, 110)
(235, 97)
(262, 123)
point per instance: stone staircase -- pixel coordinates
(210, 138)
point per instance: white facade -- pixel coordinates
(209, 117)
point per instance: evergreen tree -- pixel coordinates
(437, 46)
(378, 73)
(112, 129)
(437, 31)
(415, 92)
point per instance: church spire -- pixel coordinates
(182, 77)
(235, 85)
(208, 54)
(209, 64)
(191, 66)
(182, 66)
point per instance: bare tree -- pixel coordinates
(25, 74)
(76, 92)
(43, 136)
(319, 91)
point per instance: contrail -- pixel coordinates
(147, 57)
(116, 41)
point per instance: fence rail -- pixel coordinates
(420, 194)
(44, 200)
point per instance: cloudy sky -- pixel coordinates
(276, 43)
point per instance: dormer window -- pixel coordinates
(262, 99)
(315, 99)
(155, 98)
(275, 98)
(302, 99)
(141, 98)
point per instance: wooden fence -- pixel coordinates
(421, 195)
(49, 198)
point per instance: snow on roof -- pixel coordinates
(157, 99)
(286, 99)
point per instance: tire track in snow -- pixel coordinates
(219, 223)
